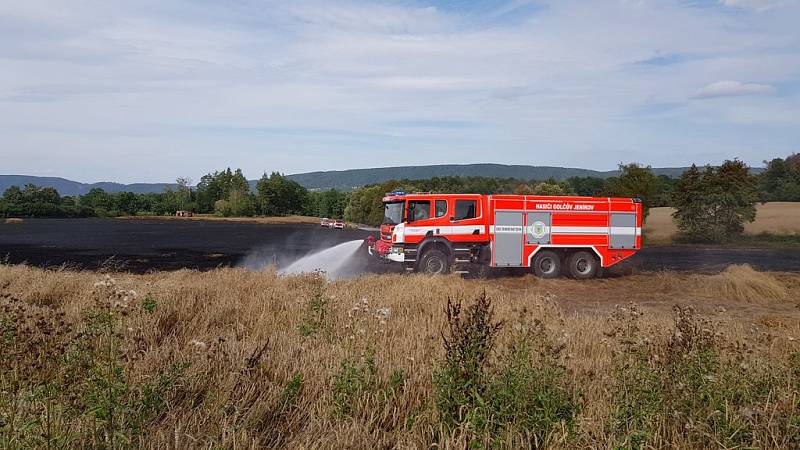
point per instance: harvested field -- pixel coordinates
(780, 218)
(235, 359)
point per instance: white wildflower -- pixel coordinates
(200, 345)
(107, 281)
(383, 314)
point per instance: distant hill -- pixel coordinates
(69, 187)
(348, 179)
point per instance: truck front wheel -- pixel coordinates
(547, 264)
(582, 265)
(434, 261)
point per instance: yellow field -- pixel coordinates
(238, 359)
(774, 218)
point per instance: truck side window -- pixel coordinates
(421, 209)
(465, 209)
(441, 208)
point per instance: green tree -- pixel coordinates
(126, 202)
(240, 202)
(213, 187)
(35, 201)
(183, 194)
(99, 200)
(279, 196)
(366, 204)
(228, 185)
(13, 196)
(634, 181)
(781, 179)
(586, 186)
(713, 205)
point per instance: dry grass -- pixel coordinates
(780, 218)
(264, 220)
(741, 282)
(270, 361)
(12, 221)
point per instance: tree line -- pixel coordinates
(224, 193)
(711, 203)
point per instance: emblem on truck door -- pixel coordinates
(537, 229)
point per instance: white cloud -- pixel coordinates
(109, 86)
(758, 5)
(729, 88)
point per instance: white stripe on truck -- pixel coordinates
(517, 229)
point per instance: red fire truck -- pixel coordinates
(575, 236)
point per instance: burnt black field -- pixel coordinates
(140, 246)
(144, 245)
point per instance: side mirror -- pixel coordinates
(452, 219)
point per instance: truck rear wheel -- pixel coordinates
(547, 264)
(582, 265)
(434, 261)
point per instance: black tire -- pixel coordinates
(547, 264)
(583, 265)
(434, 262)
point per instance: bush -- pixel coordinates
(222, 208)
(685, 385)
(316, 312)
(524, 398)
(354, 379)
(59, 376)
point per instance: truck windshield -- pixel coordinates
(393, 213)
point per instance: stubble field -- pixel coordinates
(776, 218)
(235, 359)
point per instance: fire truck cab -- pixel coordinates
(575, 236)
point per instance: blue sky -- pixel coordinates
(149, 90)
